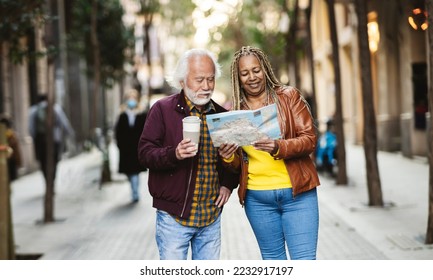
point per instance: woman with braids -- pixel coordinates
(278, 179)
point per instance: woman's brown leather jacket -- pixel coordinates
(299, 141)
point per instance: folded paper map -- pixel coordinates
(244, 127)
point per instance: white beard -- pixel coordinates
(193, 96)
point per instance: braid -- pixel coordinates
(271, 80)
(235, 81)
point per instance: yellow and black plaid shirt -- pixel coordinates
(204, 211)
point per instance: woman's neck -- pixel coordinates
(253, 102)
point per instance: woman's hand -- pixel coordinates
(227, 150)
(266, 145)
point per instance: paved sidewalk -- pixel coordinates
(100, 223)
(397, 230)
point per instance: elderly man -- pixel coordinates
(188, 184)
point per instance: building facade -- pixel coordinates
(398, 48)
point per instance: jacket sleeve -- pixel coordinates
(15, 145)
(32, 122)
(234, 165)
(63, 121)
(118, 131)
(302, 139)
(227, 177)
(153, 153)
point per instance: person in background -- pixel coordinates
(327, 149)
(189, 186)
(37, 129)
(278, 178)
(14, 159)
(128, 129)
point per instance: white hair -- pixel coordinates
(181, 71)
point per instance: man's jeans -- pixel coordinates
(278, 219)
(174, 239)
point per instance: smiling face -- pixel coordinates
(200, 81)
(251, 75)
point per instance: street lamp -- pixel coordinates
(418, 19)
(373, 32)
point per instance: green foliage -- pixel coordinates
(115, 40)
(18, 18)
(249, 27)
(149, 7)
(178, 14)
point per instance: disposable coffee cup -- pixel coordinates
(191, 129)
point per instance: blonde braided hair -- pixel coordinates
(238, 95)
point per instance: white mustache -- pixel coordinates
(204, 92)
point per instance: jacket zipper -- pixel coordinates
(187, 190)
(245, 165)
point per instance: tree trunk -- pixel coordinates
(6, 78)
(147, 25)
(311, 63)
(291, 48)
(339, 128)
(49, 192)
(429, 234)
(7, 244)
(96, 63)
(50, 180)
(105, 171)
(370, 137)
(4, 180)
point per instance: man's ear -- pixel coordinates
(182, 84)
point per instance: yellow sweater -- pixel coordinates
(265, 172)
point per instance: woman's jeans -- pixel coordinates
(134, 182)
(174, 239)
(278, 219)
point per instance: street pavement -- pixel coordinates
(99, 222)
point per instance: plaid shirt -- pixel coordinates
(203, 210)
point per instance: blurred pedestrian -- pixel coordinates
(189, 186)
(128, 129)
(327, 150)
(278, 178)
(14, 159)
(37, 129)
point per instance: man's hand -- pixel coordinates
(223, 197)
(186, 149)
